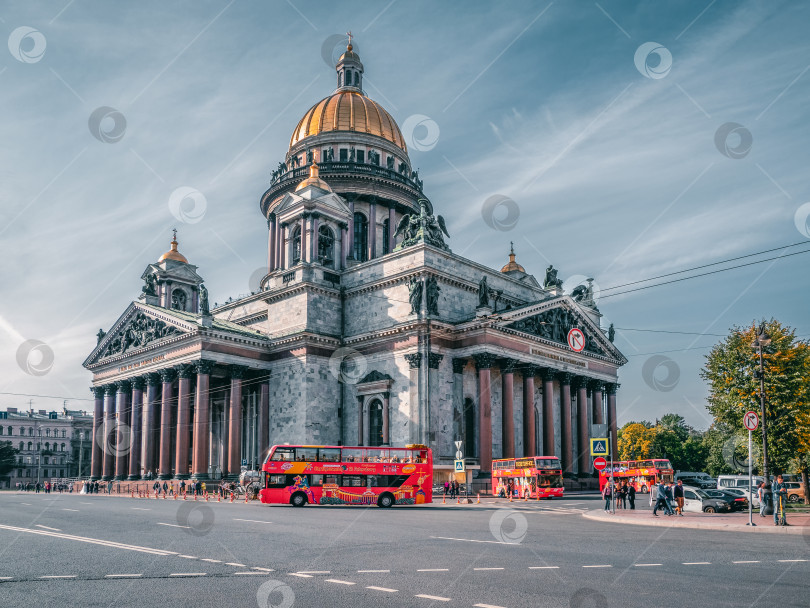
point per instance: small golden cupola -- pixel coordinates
(313, 180)
(512, 265)
(173, 254)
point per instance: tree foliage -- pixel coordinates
(8, 457)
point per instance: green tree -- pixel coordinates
(734, 388)
(635, 441)
(8, 457)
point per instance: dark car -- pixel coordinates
(737, 503)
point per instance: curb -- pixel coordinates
(688, 523)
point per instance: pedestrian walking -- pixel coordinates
(661, 500)
(456, 488)
(761, 498)
(165, 488)
(779, 492)
(631, 496)
(677, 492)
(623, 495)
(669, 498)
(607, 493)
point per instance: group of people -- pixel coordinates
(452, 488)
(624, 493)
(47, 487)
(665, 494)
(774, 496)
(93, 487)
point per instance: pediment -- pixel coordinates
(328, 202)
(138, 327)
(552, 320)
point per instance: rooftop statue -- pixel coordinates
(552, 281)
(422, 228)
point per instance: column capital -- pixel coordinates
(597, 385)
(153, 379)
(305, 215)
(315, 215)
(548, 373)
(123, 386)
(458, 365)
(578, 382)
(204, 366)
(109, 389)
(508, 365)
(237, 372)
(184, 371)
(565, 378)
(484, 360)
(271, 217)
(611, 388)
(530, 370)
(434, 359)
(414, 360)
(98, 391)
(343, 225)
(137, 383)
(166, 375)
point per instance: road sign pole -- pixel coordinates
(750, 483)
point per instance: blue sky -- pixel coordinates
(616, 175)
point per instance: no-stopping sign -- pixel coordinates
(751, 420)
(576, 340)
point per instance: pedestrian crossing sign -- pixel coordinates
(459, 466)
(599, 446)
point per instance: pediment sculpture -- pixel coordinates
(139, 331)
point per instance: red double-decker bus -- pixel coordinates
(528, 477)
(641, 474)
(343, 475)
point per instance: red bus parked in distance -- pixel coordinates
(344, 475)
(641, 474)
(530, 477)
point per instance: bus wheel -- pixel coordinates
(385, 501)
(298, 499)
(643, 489)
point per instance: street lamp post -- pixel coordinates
(762, 339)
(81, 441)
(39, 453)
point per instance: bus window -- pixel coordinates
(283, 454)
(276, 481)
(377, 455)
(317, 480)
(355, 481)
(645, 464)
(306, 454)
(352, 455)
(332, 479)
(329, 454)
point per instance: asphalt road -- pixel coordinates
(71, 550)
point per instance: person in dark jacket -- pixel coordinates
(779, 492)
(661, 500)
(631, 496)
(677, 492)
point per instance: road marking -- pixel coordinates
(599, 566)
(47, 528)
(646, 565)
(386, 589)
(696, 563)
(753, 561)
(792, 560)
(85, 539)
(122, 575)
(187, 574)
(543, 567)
(59, 576)
(301, 575)
(486, 606)
(74, 510)
(368, 571)
(235, 564)
(472, 540)
(263, 569)
(255, 521)
(434, 570)
(213, 561)
(339, 582)
(259, 573)
(85, 503)
(6, 578)
(174, 525)
(187, 556)
(487, 568)
(433, 597)
(26, 504)
(313, 572)
(140, 509)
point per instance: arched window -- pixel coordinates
(357, 79)
(11, 430)
(47, 446)
(63, 432)
(326, 247)
(340, 79)
(360, 250)
(348, 78)
(1, 430)
(22, 446)
(179, 299)
(470, 447)
(47, 432)
(386, 244)
(375, 423)
(296, 245)
(63, 447)
(30, 431)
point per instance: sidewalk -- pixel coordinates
(799, 524)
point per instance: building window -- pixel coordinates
(1, 430)
(30, 446)
(47, 446)
(30, 431)
(360, 250)
(296, 245)
(63, 447)
(375, 423)
(10, 430)
(179, 299)
(344, 155)
(22, 446)
(386, 243)
(326, 247)
(348, 78)
(340, 79)
(357, 79)
(47, 432)
(63, 432)
(361, 156)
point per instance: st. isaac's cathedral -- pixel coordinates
(366, 330)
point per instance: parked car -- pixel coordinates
(738, 503)
(752, 496)
(736, 481)
(696, 479)
(795, 490)
(696, 500)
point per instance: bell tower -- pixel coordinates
(172, 282)
(349, 70)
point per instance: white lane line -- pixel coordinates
(47, 528)
(433, 597)
(187, 574)
(487, 568)
(696, 563)
(74, 510)
(386, 589)
(599, 566)
(313, 572)
(27, 504)
(59, 576)
(544, 567)
(751, 561)
(140, 509)
(646, 565)
(6, 578)
(122, 575)
(300, 575)
(486, 606)
(85, 503)
(213, 561)
(174, 525)
(792, 560)
(339, 582)
(263, 569)
(235, 564)
(187, 556)
(472, 540)
(434, 570)
(259, 573)
(369, 571)
(93, 541)
(254, 521)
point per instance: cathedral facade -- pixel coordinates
(366, 330)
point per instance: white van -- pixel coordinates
(698, 479)
(736, 481)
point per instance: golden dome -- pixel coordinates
(512, 265)
(348, 110)
(173, 254)
(313, 180)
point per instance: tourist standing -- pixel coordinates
(677, 492)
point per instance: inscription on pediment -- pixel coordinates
(139, 331)
(554, 325)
